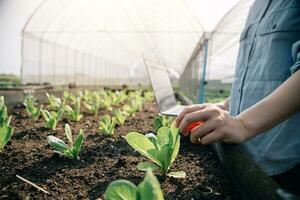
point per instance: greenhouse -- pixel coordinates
(149, 100)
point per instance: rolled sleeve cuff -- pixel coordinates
(296, 57)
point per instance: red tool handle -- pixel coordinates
(191, 126)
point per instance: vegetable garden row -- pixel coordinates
(102, 144)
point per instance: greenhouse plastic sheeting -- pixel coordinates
(222, 49)
(100, 42)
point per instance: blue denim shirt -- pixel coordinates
(269, 54)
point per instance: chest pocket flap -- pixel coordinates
(287, 20)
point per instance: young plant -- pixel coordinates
(71, 150)
(149, 188)
(92, 103)
(148, 96)
(129, 109)
(106, 101)
(118, 97)
(51, 118)
(6, 130)
(54, 102)
(68, 97)
(32, 109)
(5, 134)
(134, 106)
(162, 149)
(74, 114)
(107, 125)
(120, 116)
(4, 118)
(161, 121)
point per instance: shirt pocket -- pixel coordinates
(287, 20)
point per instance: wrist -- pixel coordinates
(246, 129)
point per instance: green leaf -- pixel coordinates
(158, 123)
(149, 188)
(175, 137)
(113, 124)
(174, 131)
(121, 190)
(145, 166)
(57, 144)
(163, 136)
(164, 156)
(69, 134)
(78, 143)
(153, 139)
(143, 145)
(51, 123)
(8, 121)
(37, 113)
(46, 115)
(5, 134)
(180, 174)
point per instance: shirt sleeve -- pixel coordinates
(296, 57)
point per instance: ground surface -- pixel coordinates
(103, 159)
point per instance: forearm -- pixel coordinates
(275, 108)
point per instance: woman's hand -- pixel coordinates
(218, 125)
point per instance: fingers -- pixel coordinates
(187, 110)
(212, 138)
(200, 115)
(200, 131)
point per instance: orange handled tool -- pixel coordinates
(191, 126)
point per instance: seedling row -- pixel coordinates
(77, 129)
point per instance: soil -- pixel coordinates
(102, 160)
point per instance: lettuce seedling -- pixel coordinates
(54, 102)
(135, 105)
(4, 118)
(107, 125)
(51, 118)
(69, 98)
(92, 108)
(32, 109)
(118, 97)
(120, 116)
(148, 96)
(106, 102)
(162, 149)
(92, 104)
(5, 134)
(149, 188)
(71, 150)
(93, 101)
(74, 114)
(161, 121)
(6, 131)
(129, 109)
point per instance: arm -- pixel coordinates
(277, 107)
(220, 126)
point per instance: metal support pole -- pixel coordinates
(203, 81)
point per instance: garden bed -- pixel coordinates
(102, 160)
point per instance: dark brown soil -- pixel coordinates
(102, 160)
